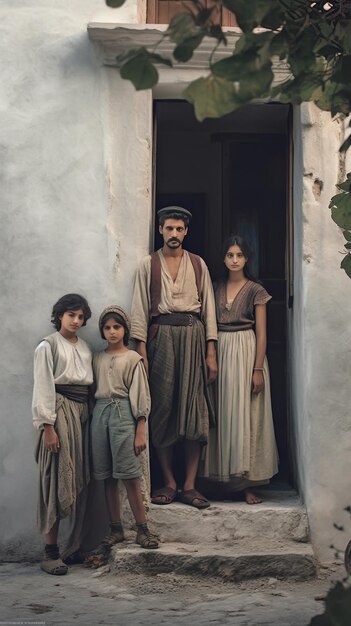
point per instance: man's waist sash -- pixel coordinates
(176, 319)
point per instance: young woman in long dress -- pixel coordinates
(242, 450)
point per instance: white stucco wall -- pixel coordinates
(64, 225)
(321, 337)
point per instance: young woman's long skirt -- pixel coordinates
(242, 448)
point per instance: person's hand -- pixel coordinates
(140, 438)
(51, 440)
(211, 362)
(257, 381)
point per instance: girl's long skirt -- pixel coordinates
(242, 448)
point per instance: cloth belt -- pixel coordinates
(113, 400)
(77, 393)
(176, 319)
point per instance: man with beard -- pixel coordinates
(174, 325)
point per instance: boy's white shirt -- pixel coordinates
(71, 365)
(123, 376)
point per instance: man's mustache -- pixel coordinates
(173, 239)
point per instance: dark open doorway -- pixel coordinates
(233, 175)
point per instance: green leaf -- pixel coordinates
(125, 56)
(347, 235)
(301, 56)
(158, 58)
(345, 145)
(348, 245)
(342, 70)
(257, 84)
(212, 97)
(273, 18)
(279, 45)
(251, 56)
(137, 65)
(345, 36)
(346, 185)
(297, 90)
(140, 71)
(341, 210)
(346, 265)
(341, 102)
(253, 13)
(320, 620)
(253, 42)
(115, 4)
(185, 50)
(232, 68)
(325, 95)
(338, 601)
(329, 50)
(181, 26)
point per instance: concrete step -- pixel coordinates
(281, 516)
(244, 560)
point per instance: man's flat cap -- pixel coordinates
(169, 210)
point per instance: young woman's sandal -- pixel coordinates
(145, 538)
(194, 498)
(56, 567)
(165, 495)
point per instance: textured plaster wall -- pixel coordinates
(64, 226)
(322, 335)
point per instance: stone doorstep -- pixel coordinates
(241, 562)
(281, 517)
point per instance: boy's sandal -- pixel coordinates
(194, 498)
(112, 538)
(56, 567)
(100, 556)
(97, 560)
(165, 495)
(146, 539)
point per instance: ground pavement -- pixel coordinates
(31, 597)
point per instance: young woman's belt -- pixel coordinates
(176, 319)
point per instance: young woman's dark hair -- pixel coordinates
(236, 240)
(120, 321)
(69, 302)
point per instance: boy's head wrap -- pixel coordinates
(114, 309)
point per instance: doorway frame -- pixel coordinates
(112, 39)
(291, 475)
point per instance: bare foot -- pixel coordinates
(251, 497)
